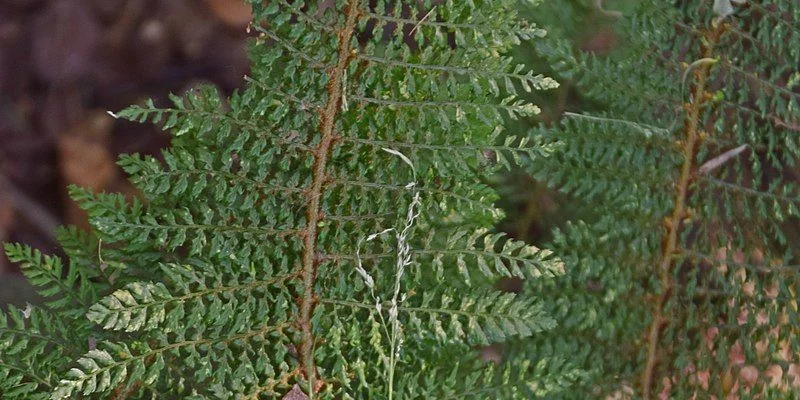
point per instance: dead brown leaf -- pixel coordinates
(85, 160)
(295, 394)
(6, 220)
(233, 13)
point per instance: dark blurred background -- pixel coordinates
(63, 64)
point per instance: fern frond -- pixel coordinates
(240, 272)
(687, 163)
(32, 350)
(497, 257)
(518, 380)
(68, 290)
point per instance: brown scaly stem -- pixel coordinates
(314, 192)
(673, 222)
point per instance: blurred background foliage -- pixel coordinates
(533, 210)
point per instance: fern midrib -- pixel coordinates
(673, 222)
(28, 372)
(215, 290)
(421, 309)
(72, 293)
(327, 124)
(35, 334)
(186, 343)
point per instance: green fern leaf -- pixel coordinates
(302, 234)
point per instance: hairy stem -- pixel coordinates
(313, 215)
(672, 223)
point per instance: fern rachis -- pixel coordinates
(245, 270)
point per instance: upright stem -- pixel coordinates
(391, 370)
(336, 90)
(673, 222)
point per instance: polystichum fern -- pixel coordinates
(685, 285)
(259, 262)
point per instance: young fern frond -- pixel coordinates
(236, 274)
